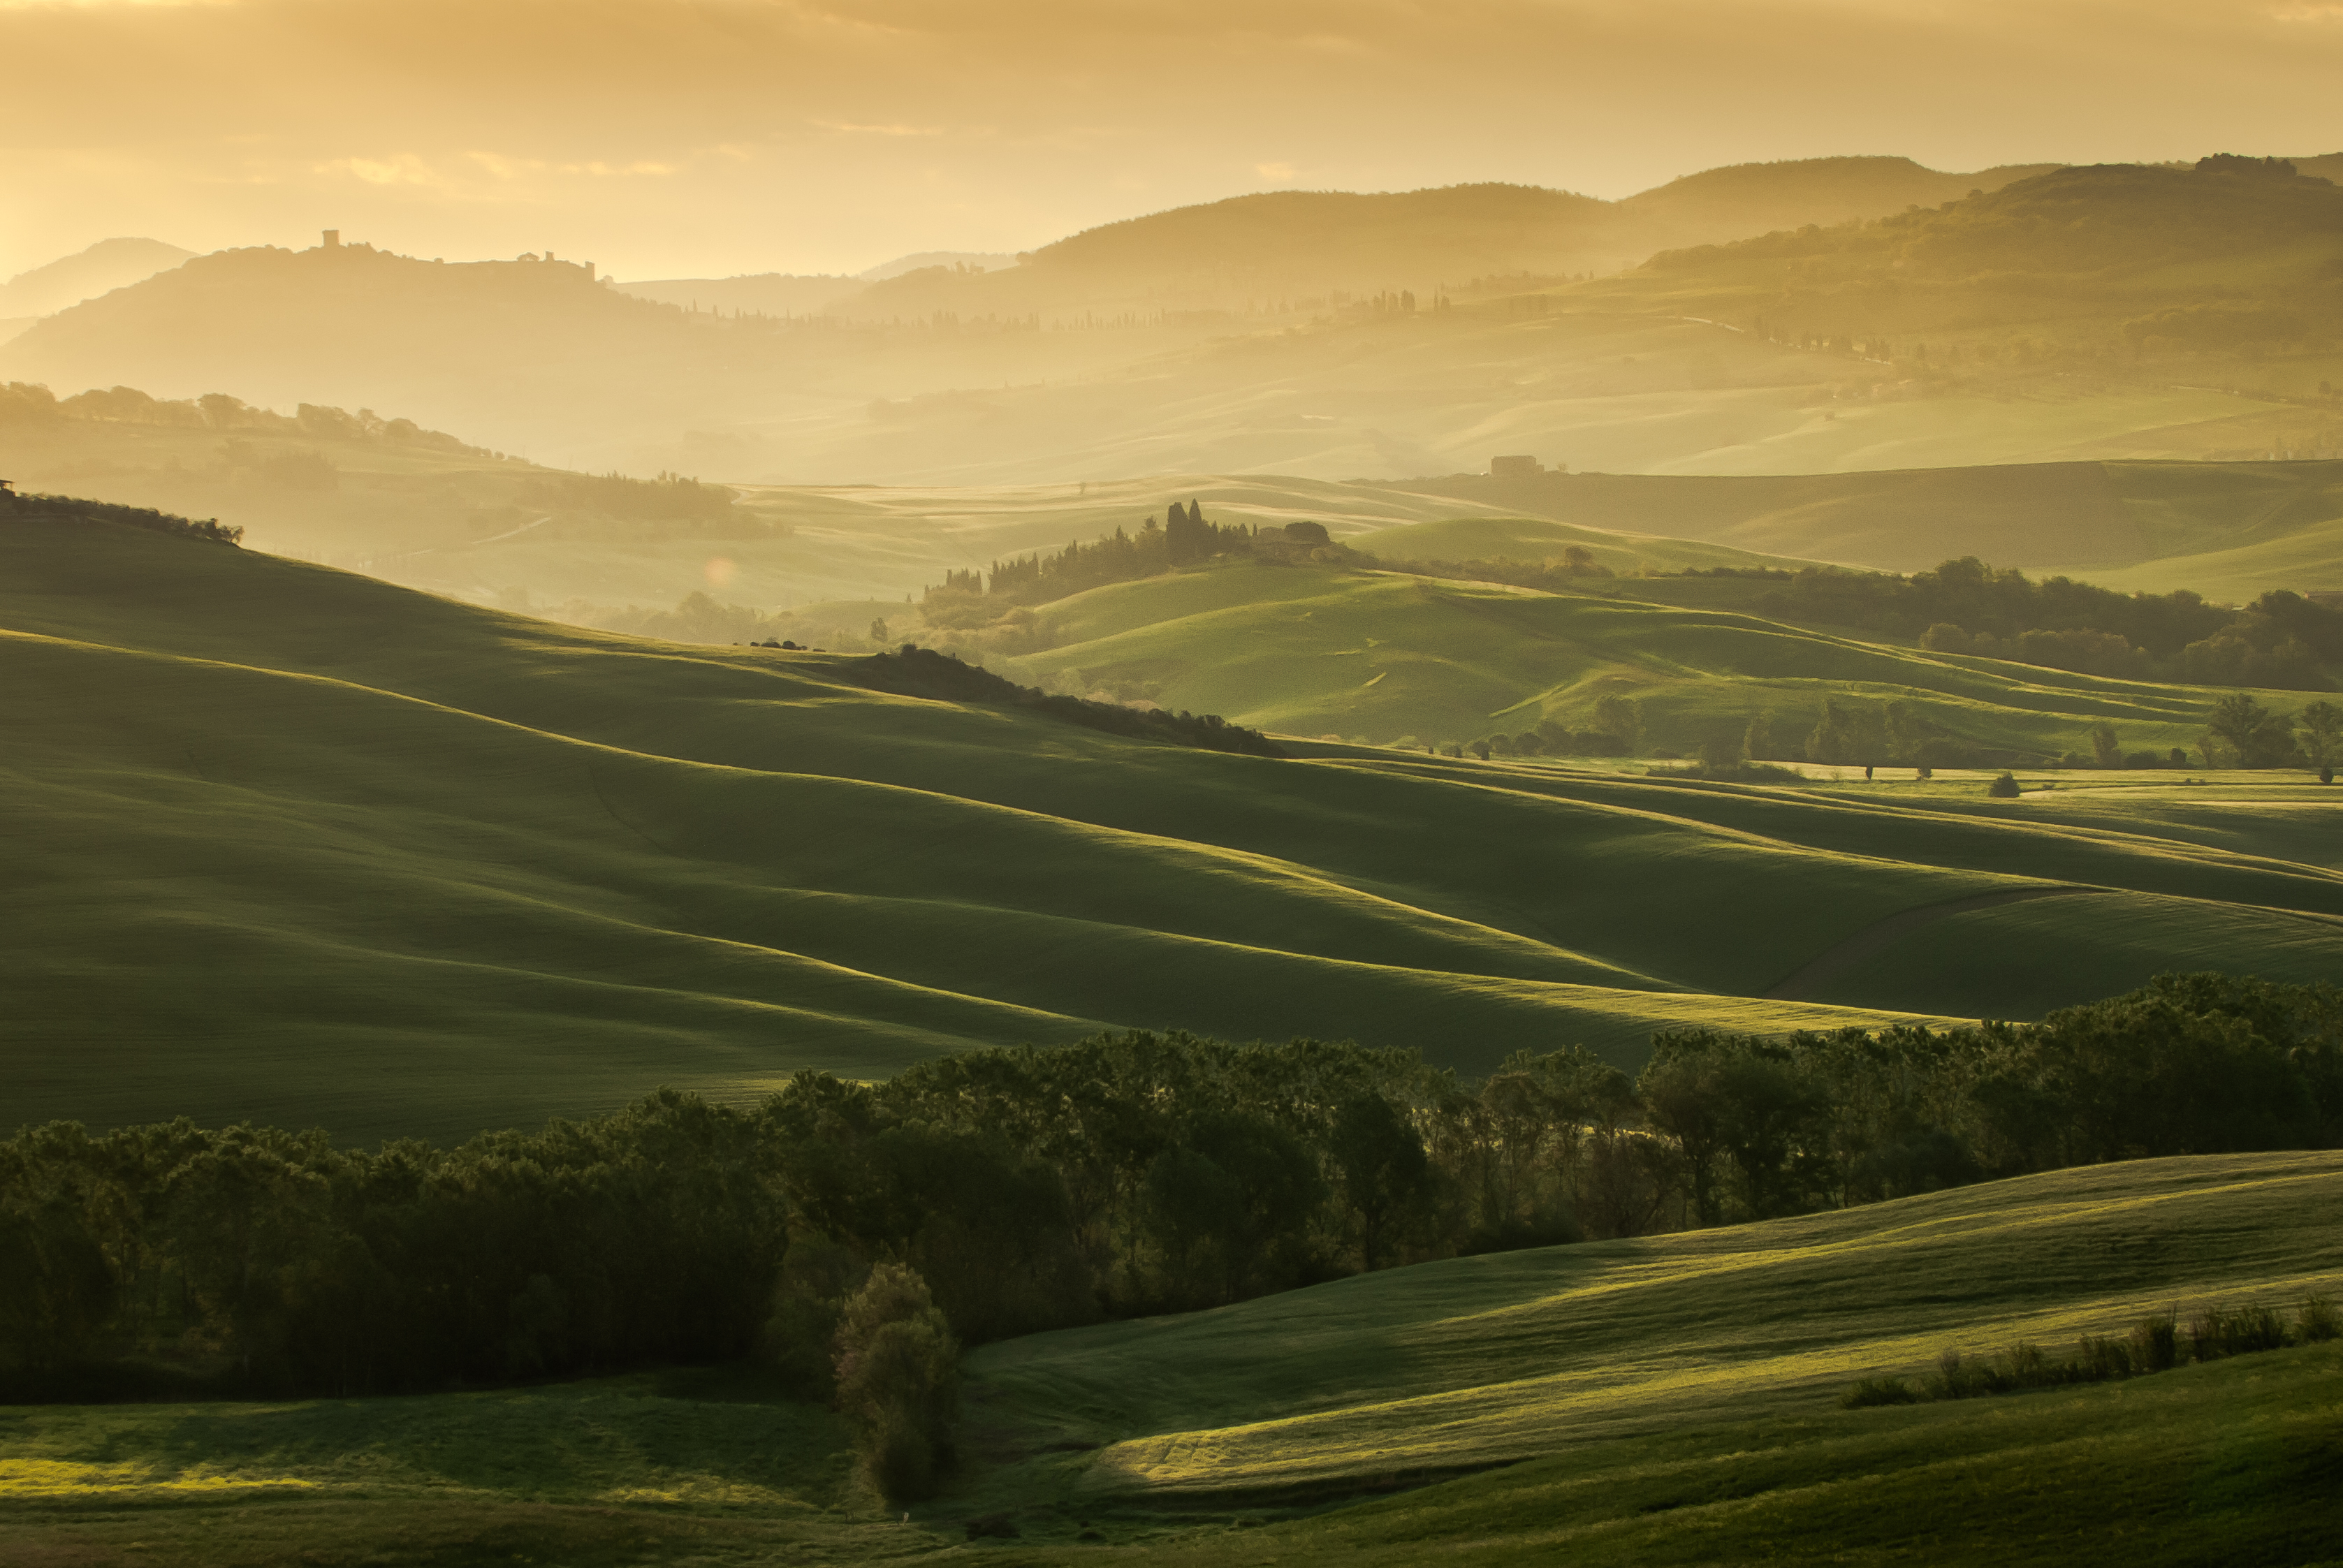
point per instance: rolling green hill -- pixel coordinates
(305, 847)
(438, 515)
(1382, 657)
(1475, 1362)
(2227, 530)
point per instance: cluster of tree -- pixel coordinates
(72, 509)
(2189, 1064)
(915, 671)
(1555, 574)
(966, 599)
(24, 402)
(2280, 641)
(274, 1261)
(670, 498)
(2241, 733)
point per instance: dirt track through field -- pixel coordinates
(1875, 939)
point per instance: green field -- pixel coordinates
(836, 557)
(1669, 1398)
(306, 848)
(2227, 530)
(1378, 656)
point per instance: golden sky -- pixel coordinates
(695, 137)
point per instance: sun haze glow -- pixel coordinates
(700, 136)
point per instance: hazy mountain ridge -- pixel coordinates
(2075, 251)
(995, 378)
(1277, 252)
(109, 265)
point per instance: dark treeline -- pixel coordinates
(668, 498)
(1025, 1189)
(915, 671)
(69, 509)
(2281, 640)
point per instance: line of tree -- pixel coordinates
(668, 498)
(2239, 731)
(2281, 641)
(1026, 1188)
(30, 403)
(72, 509)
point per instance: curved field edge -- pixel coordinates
(1486, 1360)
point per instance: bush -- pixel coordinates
(2003, 788)
(2317, 1321)
(2155, 1343)
(1873, 1391)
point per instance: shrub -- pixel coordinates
(1873, 1391)
(1957, 1378)
(2214, 1332)
(2155, 1343)
(2317, 1321)
(2003, 788)
(2103, 1360)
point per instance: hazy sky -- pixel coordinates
(667, 137)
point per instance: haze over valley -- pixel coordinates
(850, 784)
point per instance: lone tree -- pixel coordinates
(2322, 734)
(899, 1382)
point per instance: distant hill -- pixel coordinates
(1758, 198)
(2118, 313)
(1278, 252)
(2113, 261)
(764, 293)
(521, 348)
(109, 265)
(967, 260)
(793, 294)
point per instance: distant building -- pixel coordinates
(333, 239)
(1515, 467)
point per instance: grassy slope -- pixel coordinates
(1317, 651)
(305, 847)
(2227, 530)
(1658, 1401)
(1479, 1360)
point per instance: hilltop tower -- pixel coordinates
(333, 240)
